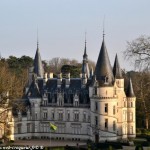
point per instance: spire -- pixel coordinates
(130, 92)
(116, 69)
(85, 66)
(103, 70)
(85, 54)
(38, 67)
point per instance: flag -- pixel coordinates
(53, 127)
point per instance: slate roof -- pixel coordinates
(130, 92)
(52, 90)
(103, 70)
(38, 67)
(75, 87)
(116, 69)
(36, 88)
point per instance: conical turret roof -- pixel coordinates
(130, 92)
(38, 67)
(116, 69)
(103, 70)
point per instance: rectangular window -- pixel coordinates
(44, 115)
(53, 116)
(60, 115)
(114, 125)
(130, 116)
(89, 119)
(19, 128)
(125, 115)
(124, 104)
(35, 116)
(106, 123)
(114, 110)
(95, 90)
(68, 115)
(84, 116)
(45, 102)
(106, 108)
(28, 127)
(76, 102)
(131, 130)
(96, 120)
(76, 116)
(96, 106)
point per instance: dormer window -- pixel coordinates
(76, 102)
(60, 103)
(105, 79)
(45, 102)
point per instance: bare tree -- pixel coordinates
(91, 64)
(56, 63)
(11, 89)
(141, 83)
(138, 52)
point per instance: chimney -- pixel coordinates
(59, 80)
(45, 77)
(67, 80)
(50, 75)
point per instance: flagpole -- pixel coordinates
(50, 137)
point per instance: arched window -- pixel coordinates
(131, 104)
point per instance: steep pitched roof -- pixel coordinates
(36, 88)
(38, 67)
(116, 69)
(130, 92)
(103, 70)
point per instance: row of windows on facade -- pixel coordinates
(61, 102)
(96, 93)
(129, 104)
(60, 116)
(106, 125)
(106, 107)
(75, 129)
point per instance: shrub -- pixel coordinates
(138, 147)
(11, 141)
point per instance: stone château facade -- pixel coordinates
(94, 106)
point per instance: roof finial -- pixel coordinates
(85, 37)
(37, 39)
(85, 45)
(104, 27)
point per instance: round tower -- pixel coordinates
(131, 113)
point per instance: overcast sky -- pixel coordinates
(62, 24)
